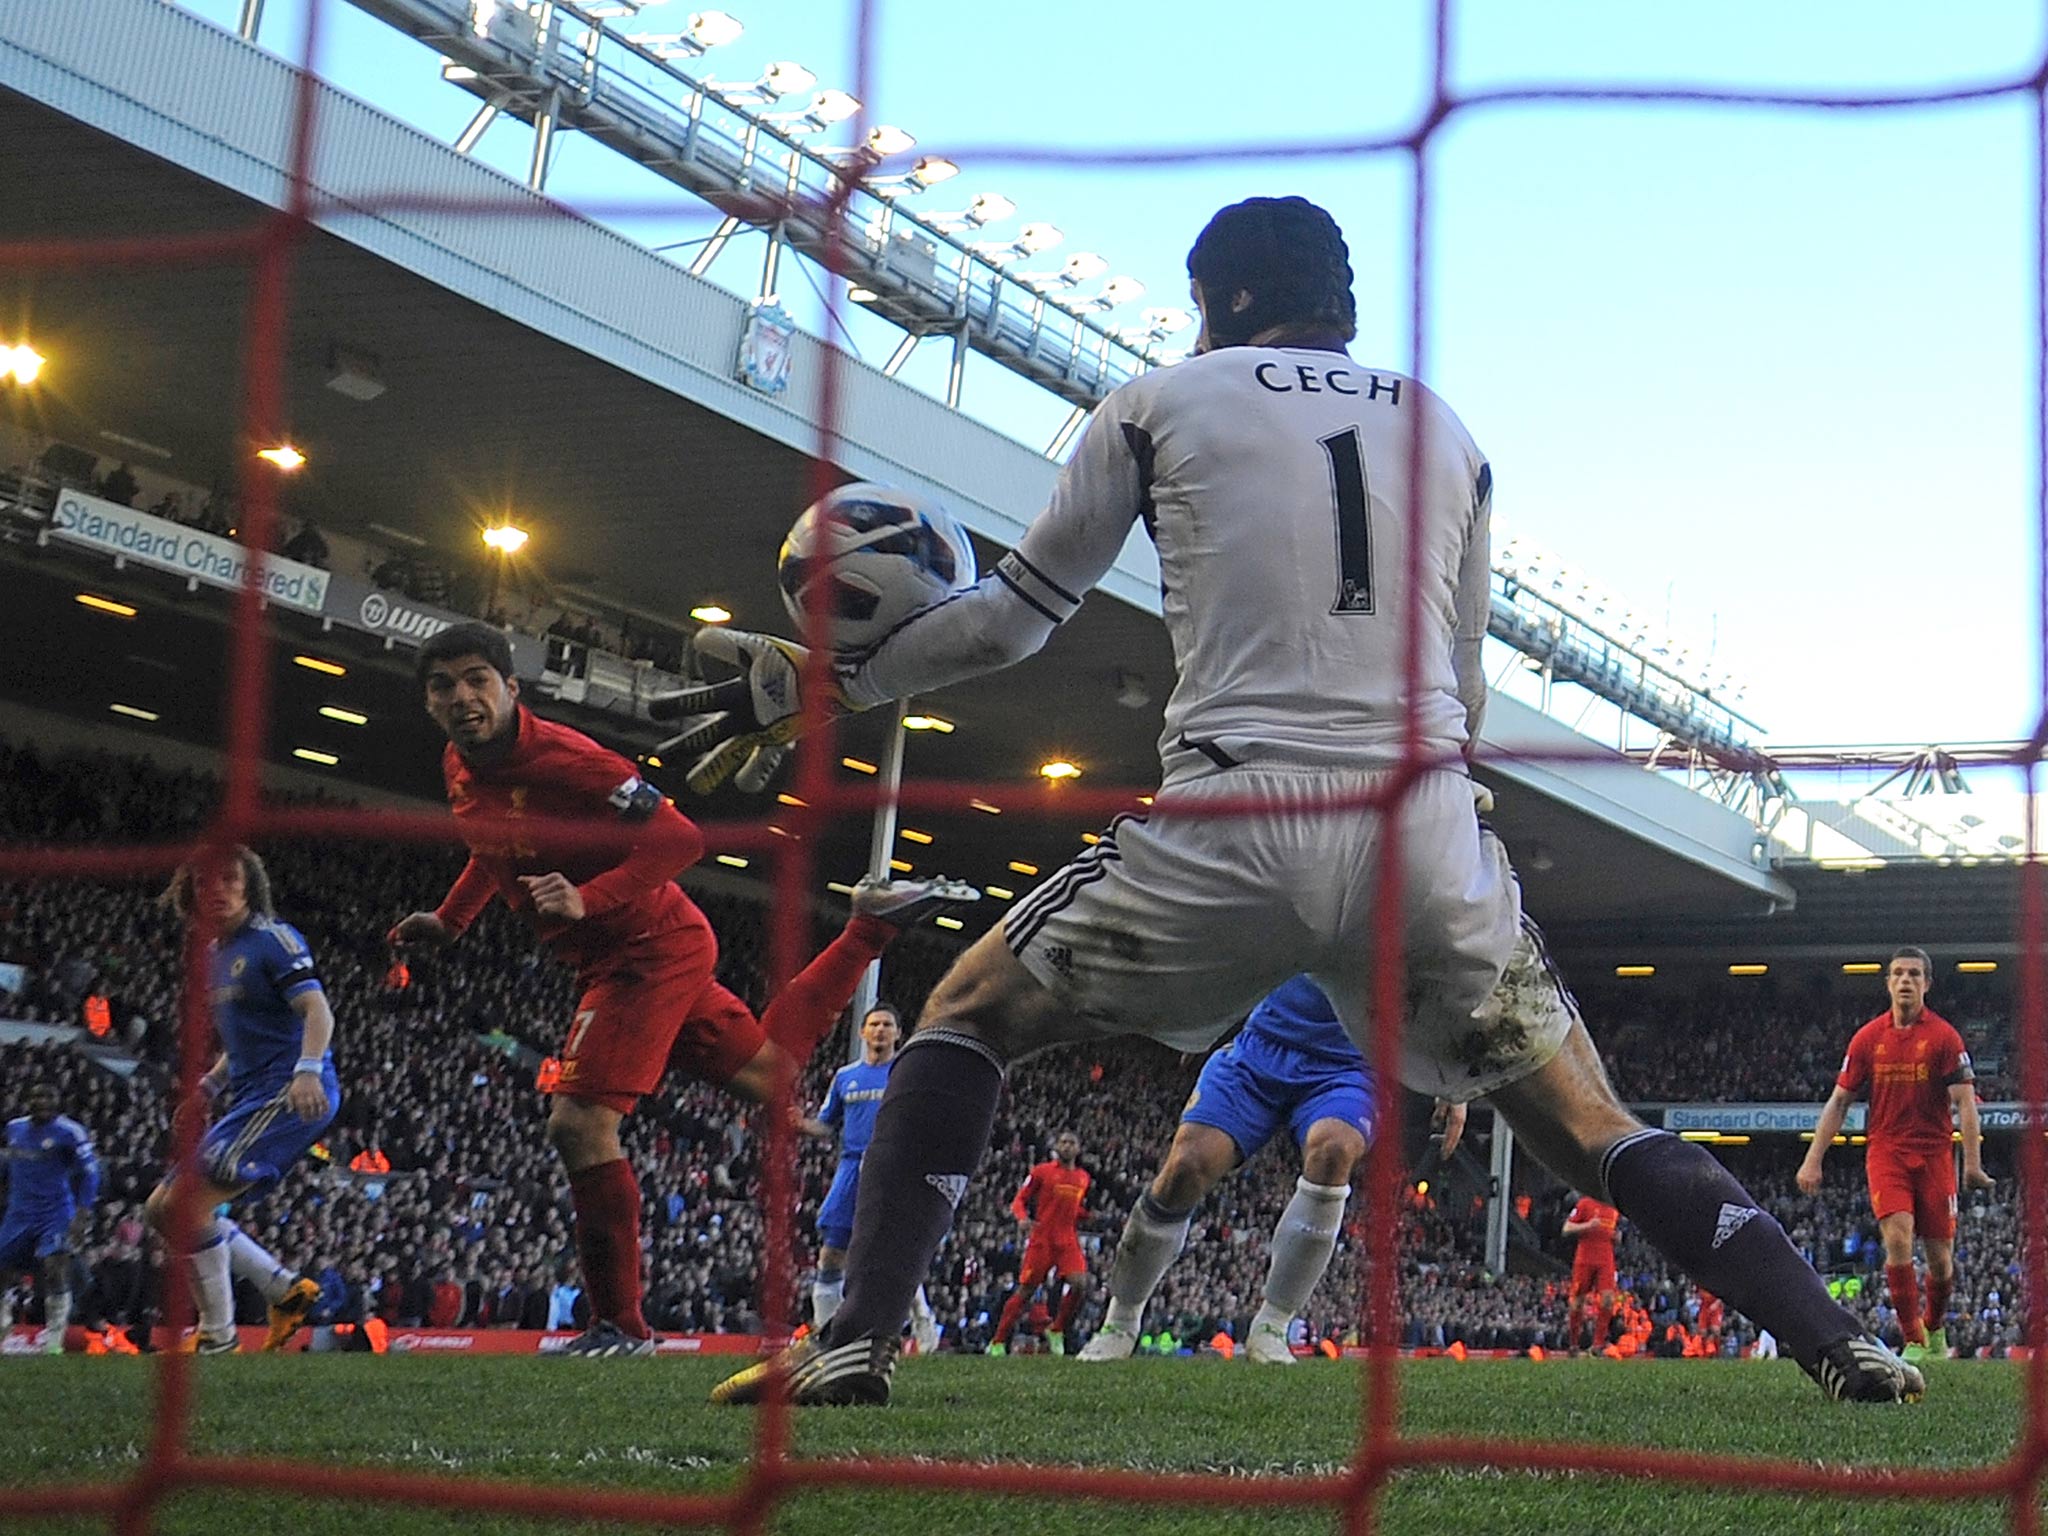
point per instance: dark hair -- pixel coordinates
(1289, 255)
(883, 1005)
(1912, 952)
(468, 638)
(255, 884)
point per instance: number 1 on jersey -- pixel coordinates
(1354, 521)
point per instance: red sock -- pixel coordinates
(804, 1012)
(1905, 1293)
(1011, 1309)
(1070, 1303)
(607, 1199)
(1938, 1289)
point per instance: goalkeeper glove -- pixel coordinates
(747, 723)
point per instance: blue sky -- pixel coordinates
(1768, 372)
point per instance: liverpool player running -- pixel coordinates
(850, 1106)
(1912, 1063)
(52, 1180)
(1049, 1204)
(1595, 1225)
(643, 952)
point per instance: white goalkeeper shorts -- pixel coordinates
(1175, 925)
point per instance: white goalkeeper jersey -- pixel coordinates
(1275, 483)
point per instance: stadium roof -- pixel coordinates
(655, 499)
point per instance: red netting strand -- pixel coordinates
(267, 249)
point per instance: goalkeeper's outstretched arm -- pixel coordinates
(1035, 588)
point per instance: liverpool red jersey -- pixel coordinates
(559, 774)
(1596, 1246)
(1052, 1197)
(1907, 1073)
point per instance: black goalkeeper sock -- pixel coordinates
(930, 1134)
(1700, 1217)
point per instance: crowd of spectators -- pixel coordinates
(438, 1202)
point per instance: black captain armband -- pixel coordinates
(1053, 601)
(635, 800)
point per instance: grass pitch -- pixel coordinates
(644, 1424)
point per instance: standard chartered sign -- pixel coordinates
(168, 546)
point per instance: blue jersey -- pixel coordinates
(853, 1101)
(52, 1173)
(1297, 1014)
(257, 971)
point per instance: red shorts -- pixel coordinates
(1052, 1255)
(1592, 1277)
(1923, 1183)
(651, 1008)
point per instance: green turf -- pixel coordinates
(644, 1424)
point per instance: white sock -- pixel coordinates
(212, 1292)
(920, 1306)
(254, 1263)
(1152, 1240)
(1302, 1245)
(826, 1292)
(56, 1318)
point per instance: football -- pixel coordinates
(880, 554)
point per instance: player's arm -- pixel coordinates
(1963, 1098)
(463, 905)
(665, 843)
(307, 1092)
(1021, 1206)
(85, 1185)
(1474, 608)
(1012, 611)
(830, 1114)
(1832, 1115)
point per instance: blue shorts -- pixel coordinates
(835, 1216)
(24, 1240)
(1254, 1085)
(250, 1147)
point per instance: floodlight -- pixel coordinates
(707, 30)
(713, 29)
(505, 539)
(929, 171)
(1031, 239)
(987, 208)
(886, 140)
(1078, 269)
(284, 456)
(829, 107)
(782, 78)
(21, 363)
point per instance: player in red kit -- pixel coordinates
(1049, 1204)
(1595, 1226)
(643, 953)
(1913, 1065)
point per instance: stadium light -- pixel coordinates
(838, 887)
(1078, 269)
(1020, 867)
(284, 456)
(711, 613)
(1059, 770)
(21, 363)
(148, 715)
(707, 30)
(345, 716)
(985, 808)
(783, 78)
(987, 208)
(912, 835)
(929, 171)
(317, 664)
(901, 866)
(886, 140)
(505, 538)
(1862, 968)
(928, 723)
(1155, 325)
(1118, 290)
(314, 755)
(1635, 970)
(106, 605)
(947, 922)
(1747, 970)
(1976, 967)
(732, 861)
(1031, 239)
(858, 765)
(1000, 892)
(786, 798)
(826, 108)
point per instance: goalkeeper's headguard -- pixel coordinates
(1289, 256)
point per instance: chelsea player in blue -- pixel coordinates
(52, 1180)
(1292, 1064)
(277, 1074)
(849, 1107)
